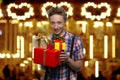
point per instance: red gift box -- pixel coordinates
(47, 57)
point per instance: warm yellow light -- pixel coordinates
(22, 65)
(118, 12)
(8, 55)
(1, 14)
(17, 55)
(2, 55)
(18, 44)
(20, 24)
(14, 21)
(113, 46)
(25, 62)
(66, 4)
(22, 46)
(109, 24)
(39, 67)
(28, 24)
(44, 22)
(91, 46)
(98, 24)
(84, 51)
(45, 5)
(39, 24)
(105, 46)
(86, 63)
(29, 59)
(3, 21)
(84, 25)
(96, 68)
(20, 17)
(103, 15)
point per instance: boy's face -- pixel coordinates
(57, 23)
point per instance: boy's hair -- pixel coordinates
(57, 10)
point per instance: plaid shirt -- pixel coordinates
(61, 72)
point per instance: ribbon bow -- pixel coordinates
(57, 37)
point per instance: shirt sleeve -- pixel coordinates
(78, 49)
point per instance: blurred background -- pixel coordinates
(97, 22)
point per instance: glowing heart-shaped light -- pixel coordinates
(98, 17)
(18, 17)
(51, 4)
(118, 12)
(1, 14)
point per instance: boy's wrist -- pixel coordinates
(69, 60)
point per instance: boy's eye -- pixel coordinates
(56, 23)
(59, 22)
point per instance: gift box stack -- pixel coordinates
(51, 56)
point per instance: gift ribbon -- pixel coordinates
(60, 45)
(57, 45)
(41, 38)
(63, 46)
(56, 37)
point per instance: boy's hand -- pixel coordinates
(64, 57)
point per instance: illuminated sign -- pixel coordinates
(102, 15)
(65, 4)
(20, 17)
